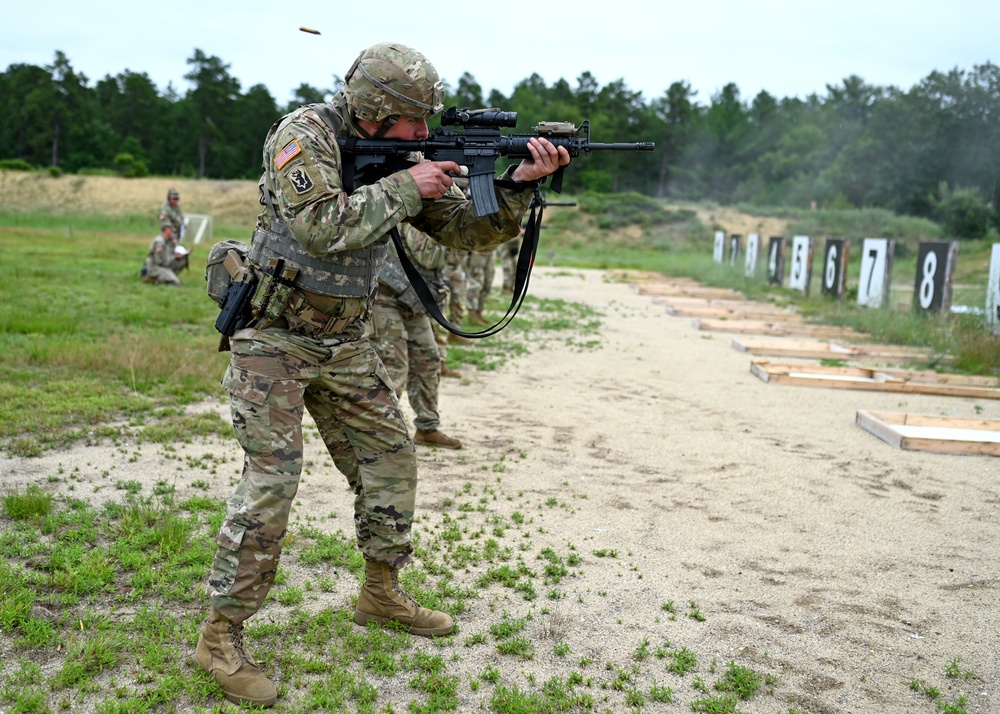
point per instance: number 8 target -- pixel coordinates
(935, 267)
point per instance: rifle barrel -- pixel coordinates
(636, 146)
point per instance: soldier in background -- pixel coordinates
(311, 351)
(170, 212)
(454, 274)
(479, 269)
(508, 261)
(165, 259)
(403, 337)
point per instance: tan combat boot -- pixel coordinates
(447, 371)
(382, 599)
(458, 339)
(436, 438)
(476, 318)
(223, 655)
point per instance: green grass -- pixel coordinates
(103, 602)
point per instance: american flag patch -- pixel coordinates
(291, 150)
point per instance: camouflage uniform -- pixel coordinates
(403, 335)
(316, 355)
(480, 270)
(508, 262)
(162, 262)
(172, 214)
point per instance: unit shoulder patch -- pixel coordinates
(300, 179)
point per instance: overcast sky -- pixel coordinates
(787, 47)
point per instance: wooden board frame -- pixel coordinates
(774, 328)
(829, 350)
(943, 435)
(878, 379)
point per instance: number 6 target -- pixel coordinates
(835, 267)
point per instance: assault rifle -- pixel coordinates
(476, 148)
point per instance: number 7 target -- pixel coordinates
(876, 271)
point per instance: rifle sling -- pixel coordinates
(525, 261)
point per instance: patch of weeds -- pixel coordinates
(642, 651)
(661, 694)
(739, 680)
(719, 704)
(681, 661)
(520, 647)
(953, 671)
(28, 505)
(605, 553)
(694, 613)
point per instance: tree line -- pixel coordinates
(932, 150)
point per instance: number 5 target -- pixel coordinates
(801, 272)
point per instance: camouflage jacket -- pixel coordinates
(303, 172)
(161, 253)
(172, 215)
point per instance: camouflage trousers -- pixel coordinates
(161, 276)
(405, 341)
(273, 377)
(479, 279)
(508, 261)
(455, 274)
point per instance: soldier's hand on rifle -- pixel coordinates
(432, 177)
(545, 159)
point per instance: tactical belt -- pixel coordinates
(323, 322)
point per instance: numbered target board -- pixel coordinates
(776, 260)
(801, 271)
(753, 249)
(719, 248)
(935, 270)
(835, 267)
(876, 271)
(993, 292)
(735, 249)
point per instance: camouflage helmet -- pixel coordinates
(172, 193)
(390, 79)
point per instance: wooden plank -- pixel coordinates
(878, 380)
(745, 313)
(766, 327)
(686, 290)
(828, 350)
(947, 435)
